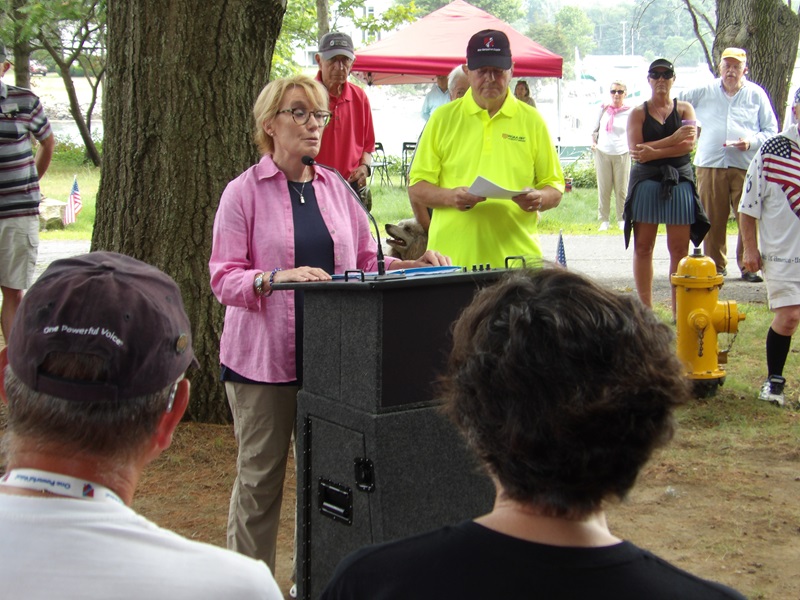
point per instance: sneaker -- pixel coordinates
(751, 277)
(772, 390)
(604, 226)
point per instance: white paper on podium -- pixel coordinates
(487, 189)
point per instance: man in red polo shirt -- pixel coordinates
(349, 139)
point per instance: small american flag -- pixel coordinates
(74, 204)
(561, 256)
(782, 166)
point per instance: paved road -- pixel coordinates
(602, 257)
(605, 258)
(50, 250)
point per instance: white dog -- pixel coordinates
(407, 239)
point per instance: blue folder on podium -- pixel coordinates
(356, 275)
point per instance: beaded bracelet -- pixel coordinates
(272, 281)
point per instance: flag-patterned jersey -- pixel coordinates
(772, 196)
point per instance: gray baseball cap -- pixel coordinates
(336, 44)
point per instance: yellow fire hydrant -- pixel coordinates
(700, 317)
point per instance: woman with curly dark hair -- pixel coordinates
(563, 389)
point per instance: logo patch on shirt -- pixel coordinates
(514, 138)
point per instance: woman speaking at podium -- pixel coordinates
(279, 221)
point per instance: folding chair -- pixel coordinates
(408, 155)
(380, 165)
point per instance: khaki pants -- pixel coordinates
(263, 423)
(613, 172)
(720, 191)
(19, 248)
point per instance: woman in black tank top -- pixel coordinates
(661, 136)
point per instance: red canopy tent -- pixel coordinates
(437, 43)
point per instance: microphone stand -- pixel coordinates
(310, 162)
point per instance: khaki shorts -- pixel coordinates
(19, 247)
(783, 293)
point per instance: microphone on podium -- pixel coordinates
(310, 162)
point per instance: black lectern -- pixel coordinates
(376, 461)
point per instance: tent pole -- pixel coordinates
(558, 99)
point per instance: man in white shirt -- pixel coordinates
(736, 117)
(93, 375)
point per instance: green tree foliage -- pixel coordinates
(573, 20)
(541, 11)
(505, 10)
(666, 29)
(300, 28)
(683, 51)
(72, 32)
(571, 29)
(395, 16)
(609, 23)
(650, 29)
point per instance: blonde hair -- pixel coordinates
(269, 100)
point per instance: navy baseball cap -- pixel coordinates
(104, 304)
(489, 48)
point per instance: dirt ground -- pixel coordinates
(721, 502)
(723, 508)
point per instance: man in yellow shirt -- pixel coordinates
(489, 133)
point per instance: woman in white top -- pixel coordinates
(611, 157)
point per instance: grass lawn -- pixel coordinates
(576, 215)
(57, 184)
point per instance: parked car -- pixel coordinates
(38, 68)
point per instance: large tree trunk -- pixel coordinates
(22, 49)
(182, 78)
(769, 31)
(323, 19)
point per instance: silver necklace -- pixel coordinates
(661, 118)
(300, 191)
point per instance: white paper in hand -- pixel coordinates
(486, 189)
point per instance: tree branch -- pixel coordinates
(643, 9)
(696, 27)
